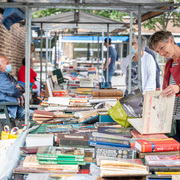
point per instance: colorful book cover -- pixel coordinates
(164, 169)
(136, 134)
(162, 160)
(64, 159)
(155, 145)
(109, 140)
(115, 130)
(133, 103)
(94, 143)
(115, 152)
(52, 151)
(62, 162)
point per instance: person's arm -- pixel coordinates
(105, 65)
(171, 90)
(8, 88)
(150, 84)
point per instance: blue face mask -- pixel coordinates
(8, 68)
(133, 50)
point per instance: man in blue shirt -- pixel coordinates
(111, 61)
(10, 89)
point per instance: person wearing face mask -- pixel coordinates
(10, 89)
(148, 68)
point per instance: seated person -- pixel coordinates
(21, 78)
(10, 89)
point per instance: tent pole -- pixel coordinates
(46, 53)
(130, 54)
(27, 67)
(98, 56)
(41, 57)
(139, 47)
(107, 65)
(102, 53)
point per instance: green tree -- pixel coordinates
(115, 15)
(161, 22)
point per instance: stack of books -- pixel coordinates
(122, 168)
(31, 165)
(60, 155)
(42, 116)
(163, 164)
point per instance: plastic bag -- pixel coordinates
(118, 114)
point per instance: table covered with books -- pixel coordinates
(100, 135)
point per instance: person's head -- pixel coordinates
(105, 42)
(5, 65)
(23, 61)
(135, 44)
(163, 43)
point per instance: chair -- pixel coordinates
(7, 120)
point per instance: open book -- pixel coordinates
(157, 114)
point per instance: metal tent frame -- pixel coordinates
(139, 8)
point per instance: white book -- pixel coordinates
(157, 114)
(39, 140)
(37, 176)
(58, 100)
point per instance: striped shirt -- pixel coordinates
(176, 113)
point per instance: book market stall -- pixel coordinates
(85, 129)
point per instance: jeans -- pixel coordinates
(110, 76)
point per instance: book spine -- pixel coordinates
(163, 169)
(59, 155)
(96, 134)
(94, 143)
(60, 159)
(63, 163)
(110, 140)
(73, 142)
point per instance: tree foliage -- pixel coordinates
(161, 22)
(115, 15)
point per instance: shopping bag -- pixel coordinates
(14, 133)
(129, 106)
(5, 133)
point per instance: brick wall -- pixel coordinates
(12, 45)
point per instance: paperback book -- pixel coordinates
(52, 151)
(162, 160)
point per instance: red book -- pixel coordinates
(136, 134)
(157, 145)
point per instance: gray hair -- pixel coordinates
(159, 36)
(143, 41)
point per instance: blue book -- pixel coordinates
(94, 143)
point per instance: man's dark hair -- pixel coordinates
(109, 41)
(23, 61)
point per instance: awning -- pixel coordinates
(94, 39)
(12, 16)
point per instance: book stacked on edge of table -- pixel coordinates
(163, 164)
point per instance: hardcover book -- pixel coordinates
(155, 145)
(59, 75)
(40, 168)
(136, 134)
(115, 131)
(115, 152)
(109, 140)
(94, 143)
(52, 151)
(162, 160)
(157, 114)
